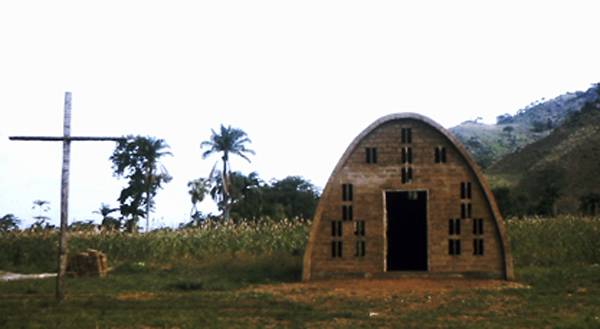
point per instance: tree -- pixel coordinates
(292, 197)
(503, 200)
(247, 196)
(504, 119)
(590, 203)
(41, 220)
(228, 141)
(108, 222)
(83, 226)
(545, 186)
(508, 130)
(197, 191)
(297, 196)
(9, 222)
(539, 126)
(137, 159)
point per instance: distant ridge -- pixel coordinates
(488, 143)
(556, 174)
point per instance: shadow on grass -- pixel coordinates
(220, 273)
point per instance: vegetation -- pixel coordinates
(228, 141)
(108, 222)
(198, 189)
(488, 143)
(9, 222)
(253, 199)
(41, 220)
(36, 251)
(225, 275)
(557, 174)
(137, 160)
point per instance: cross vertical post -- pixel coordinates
(66, 139)
(64, 201)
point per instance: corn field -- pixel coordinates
(560, 241)
(535, 241)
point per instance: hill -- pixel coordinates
(490, 142)
(558, 173)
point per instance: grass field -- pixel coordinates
(227, 276)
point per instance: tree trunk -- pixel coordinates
(64, 203)
(148, 187)
(225, 188)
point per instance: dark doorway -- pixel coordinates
(406, 231)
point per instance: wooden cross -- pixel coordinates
(66, 138)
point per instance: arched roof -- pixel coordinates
(504, 243)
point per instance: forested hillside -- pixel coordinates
(489, 143)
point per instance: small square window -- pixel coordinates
(440, 154)
(478, 247)
(336, 228)
(478, 226)
(465, 210)
(406, 155)
(465, 190)
(360, 248)
(454, 247)
(454, 227)
(336, 249)
(371, 153)
(347, 213)
(359, 228)
(347, 193)
(406, 135)
(406, 174)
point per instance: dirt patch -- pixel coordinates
(381, 289)
(141, 296)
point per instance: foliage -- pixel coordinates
(9, 222)
(253, 199)
(560, 241)
(535, 194)
(228, 141)
(489, 143)
(198, 188)
(484, 156)
(36, 251)
(87, 225)
(108, 222)
(558, 173)
(590, 204)
(41, 220)
(137, 160)
(296, 196)
(504, 119)
(556, 263)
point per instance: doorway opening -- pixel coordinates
(406, 230)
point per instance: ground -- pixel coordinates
(184, 298)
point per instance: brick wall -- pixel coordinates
(370, 181)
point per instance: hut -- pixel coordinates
(406, 198)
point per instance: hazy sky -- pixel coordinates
(302, 78)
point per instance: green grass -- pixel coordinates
(213, 287)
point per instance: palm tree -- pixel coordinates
(228, 141)
(108, 222)
(137, 158)
(197, 190)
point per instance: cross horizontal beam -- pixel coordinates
(66, 138)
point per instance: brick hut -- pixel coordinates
(406, 197)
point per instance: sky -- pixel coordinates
(301, 78)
